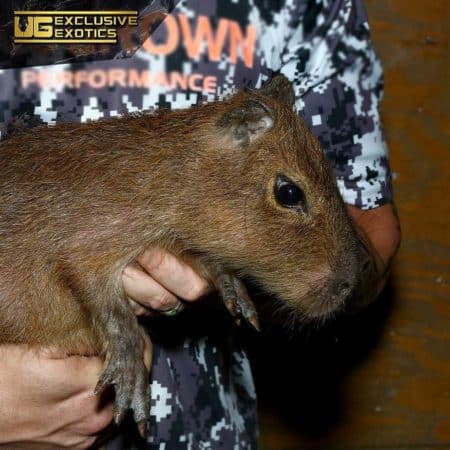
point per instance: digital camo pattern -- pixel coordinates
(338, 84)
(205, 50)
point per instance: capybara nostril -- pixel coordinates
(366, 264)
(340, 287)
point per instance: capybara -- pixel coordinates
(239, 188)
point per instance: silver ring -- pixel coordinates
(174, 311)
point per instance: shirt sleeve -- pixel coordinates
(338, 83)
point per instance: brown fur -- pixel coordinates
(79, 202)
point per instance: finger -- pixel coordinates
(50, 377)
(143, 289)
(138, 309)
(172, 273)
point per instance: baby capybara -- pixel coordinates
(238, 188)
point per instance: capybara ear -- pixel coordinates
(246, 122)
(279, 88)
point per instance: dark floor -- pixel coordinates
(382, 380)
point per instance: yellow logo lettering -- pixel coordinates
(42, 29)
(23, 26)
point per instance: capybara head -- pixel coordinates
(259, 191)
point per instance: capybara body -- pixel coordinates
(239, 187)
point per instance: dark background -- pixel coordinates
(381, 380)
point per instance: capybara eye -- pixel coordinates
(288, 194)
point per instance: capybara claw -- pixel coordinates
(99, 387)
(255, 322)
(118, 417)
(102, 383)
(144, 428)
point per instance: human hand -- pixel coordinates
(47, 400)
(157, 280)
(379, 229)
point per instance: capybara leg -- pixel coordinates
(121, 338)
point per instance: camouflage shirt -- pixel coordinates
(202, 396)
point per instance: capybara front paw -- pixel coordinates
(234, 295)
